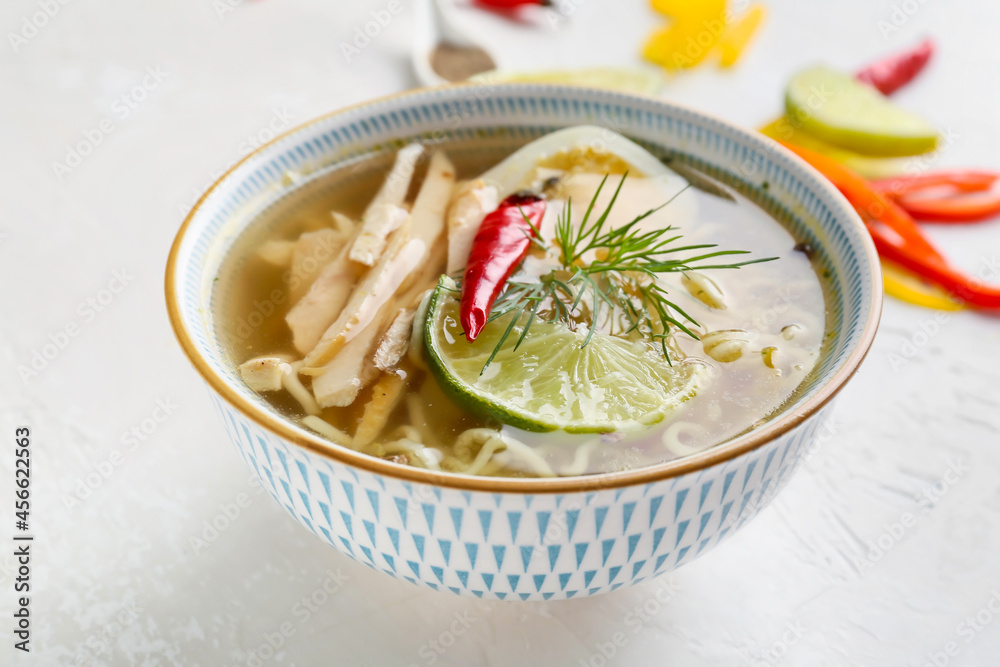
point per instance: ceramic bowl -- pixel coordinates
(523, 539)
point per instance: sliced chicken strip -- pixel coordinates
(265, 373)
(381, 217)
(372, 293)
(313, 251)
(470, 203)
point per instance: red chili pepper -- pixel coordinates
(907, 246)
(500, 244)
(510, 4)
(890, 74)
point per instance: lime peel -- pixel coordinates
(838, 109)
(552, 381)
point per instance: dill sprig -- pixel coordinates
(619, 279)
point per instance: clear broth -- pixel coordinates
(252, 300)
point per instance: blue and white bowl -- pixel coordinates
(523, 539)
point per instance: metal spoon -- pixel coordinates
(442, 52)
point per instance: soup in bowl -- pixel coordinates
(523, 341)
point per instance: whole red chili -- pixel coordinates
(500, 244)
(510, 4)
(890, 74)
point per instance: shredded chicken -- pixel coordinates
(386, 396)
(277, 252)
(377, 288)
(265, 373)
(315, 312)
(470, 203)
(379, 223)
(427, 215)
(395, 341)
(340, 381)
(313, 251)
(347, 357)
(343, 224)
(383, 214)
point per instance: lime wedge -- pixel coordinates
(552, 381)
(842, 111)
(631, 80)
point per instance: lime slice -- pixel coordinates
(866, 165)
(842, 111)
(552, 381)
(632, 80)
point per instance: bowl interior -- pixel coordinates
(772, 177)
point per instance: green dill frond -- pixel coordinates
(618, 285)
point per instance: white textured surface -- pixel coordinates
(923, 404)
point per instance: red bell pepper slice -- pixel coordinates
(970, 289)
(957, 209)
(964, 180)
(945, 196)
(906, 246)
(869, 202)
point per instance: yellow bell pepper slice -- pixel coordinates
(736, 37)
(695, 30)
(907, 287)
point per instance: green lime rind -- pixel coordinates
(552, 381)
(835, 107)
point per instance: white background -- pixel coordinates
(800, 586)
